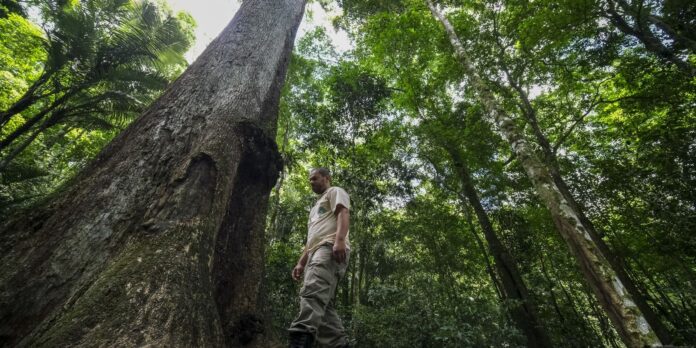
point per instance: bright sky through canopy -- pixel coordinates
(213, 15)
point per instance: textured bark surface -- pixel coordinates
(608, 289)
(159, 241)
(523, 310)
(615, 260)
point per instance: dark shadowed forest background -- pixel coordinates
(468, 134)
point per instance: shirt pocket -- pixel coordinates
(324, 208)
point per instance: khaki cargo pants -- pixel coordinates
(317, 313)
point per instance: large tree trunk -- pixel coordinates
(523, 310)
(160, 240)
(611, 294)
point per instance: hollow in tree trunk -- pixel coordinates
(159, 240)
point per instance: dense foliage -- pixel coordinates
(72, 77)
(604, 90)
(395, 119)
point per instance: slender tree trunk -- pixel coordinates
(30, 123)
(608, 289)
(648, 17)
(353, 281)
(524, 313)
(568, 298)
(50, 121)
(651, 42)
(605, 332)
(585, 331)
(549, 287)
(26, 100)
(159, 242)
(368, 278)
(687, 42)
(479, 242)
(489, 268)
(615, 260)
(362, 265)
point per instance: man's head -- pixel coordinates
(319, 179)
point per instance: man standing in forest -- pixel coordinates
(325, 257)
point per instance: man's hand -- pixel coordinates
(297, 272)
(339, 251)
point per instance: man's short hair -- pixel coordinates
(321, 170)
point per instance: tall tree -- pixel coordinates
(446, 132)
(609, 291)
(514, 65)
(523, 310)
(159, 240)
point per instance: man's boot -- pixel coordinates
(301, 340)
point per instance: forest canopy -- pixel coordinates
(519, 171)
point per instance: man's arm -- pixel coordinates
(342, 222)
(299, 268)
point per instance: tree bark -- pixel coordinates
(644, 13)
(489, 268)
(608, 289)
(159, 241)
(524, 311)
(651, 42)
(550, 289)
(615, 260)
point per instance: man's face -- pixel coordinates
(318, 182)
